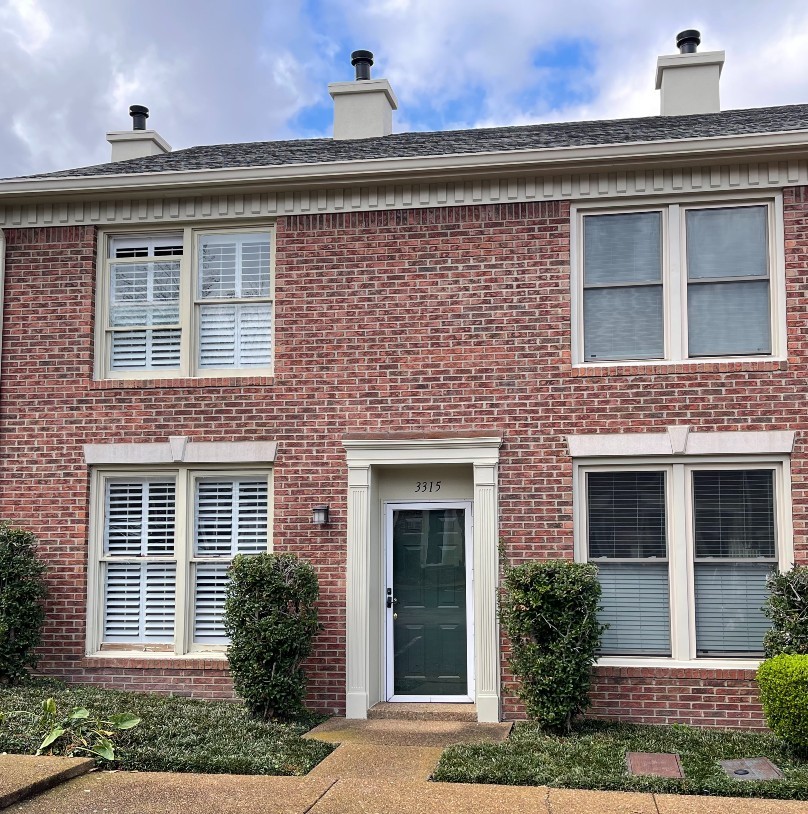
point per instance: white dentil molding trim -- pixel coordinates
(168, 205)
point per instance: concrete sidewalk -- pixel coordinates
(354, 779)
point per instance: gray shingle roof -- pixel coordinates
(494, 139)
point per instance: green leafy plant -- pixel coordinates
(76, 732)
(783, 682)
(787, 607)
(22, 592)
(549, 611)
(271, 620)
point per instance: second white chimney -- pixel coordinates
(688, 81)
(364, 108)
(137, 142)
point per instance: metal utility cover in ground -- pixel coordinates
(753, 768)
(656, 764)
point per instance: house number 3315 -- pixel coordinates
(427, 486)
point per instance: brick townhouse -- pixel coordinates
(393, 354)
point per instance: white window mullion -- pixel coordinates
(676, 287)
(683, 625)
(182, 607)
(187, 314)
(234, 525)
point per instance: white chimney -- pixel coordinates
(364, 108)
(689, 80)
(137, 142)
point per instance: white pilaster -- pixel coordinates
(486, 570)
(358, 593)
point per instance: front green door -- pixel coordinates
(427, 601)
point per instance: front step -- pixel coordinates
(423, 712)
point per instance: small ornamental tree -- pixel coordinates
(787, 607)
(549, 611)
(22, 592)
(271, 620)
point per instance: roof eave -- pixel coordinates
(784, 144)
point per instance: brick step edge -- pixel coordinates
(465, 713)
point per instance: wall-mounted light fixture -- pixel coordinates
(319, 514)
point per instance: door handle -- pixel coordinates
(391, 600)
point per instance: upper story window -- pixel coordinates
(679, 282)
(186, 303)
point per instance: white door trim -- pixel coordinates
(365, 573)
(424, 505)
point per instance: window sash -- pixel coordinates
(729, 598)
(636, 605)
(627, 538)
(230, 518)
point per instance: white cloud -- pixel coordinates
(27, 23)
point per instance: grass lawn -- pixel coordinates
(175, 734)
(594, 757)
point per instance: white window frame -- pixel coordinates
(185, 478)
(674, 276)
(680, 543)
(189, 366)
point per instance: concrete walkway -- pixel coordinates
(380, 767)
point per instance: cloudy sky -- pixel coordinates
(215, 71)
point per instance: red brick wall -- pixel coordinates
(430, 321)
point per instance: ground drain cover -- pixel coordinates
(753, 768)
(658, 764)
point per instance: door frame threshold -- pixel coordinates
(430, 699)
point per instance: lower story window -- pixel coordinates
(164, 542)
(683, 553)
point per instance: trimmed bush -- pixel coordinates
(783, 682)
(549, 611)
(271, 620)
(22, 591)
(787, 607)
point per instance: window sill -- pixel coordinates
(182, 382)
(673, 368)
(140, 660)
(678, 664)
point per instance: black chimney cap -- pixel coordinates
(688, 41)
(362, 60)
(139, 114)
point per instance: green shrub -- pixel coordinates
(549, 611)
(22, 591)
(783, 682)
(787, 607)
(271, 620)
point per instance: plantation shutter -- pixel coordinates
(139, 588)
(728, 287)
(231, 518)
(234, 268)
(735, 549)
(627, 539)
(144, 289)
(211, 584)
(623, 313)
